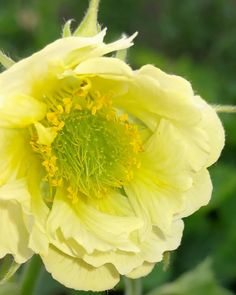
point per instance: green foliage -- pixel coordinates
(198, 281)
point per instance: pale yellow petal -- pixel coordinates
(199, 195)
(158, 242)
(146, 99)
(14, 235)
(17, 107)
(214, 129)
(14, 202)
(39, 239)
(68, 246)
(88, 226)
(145, 92)
(76, 56)
(169, 149)
(155, 205)
(75, 273)
(20, 167)
(152, 248)
(187, 147)
(113, 204)
(15, 154)
(197, 145)
(156, 192)
(36, 66)
(141, 271)
(106, 66)
(170, 83)
(123, 261)
(20, 110)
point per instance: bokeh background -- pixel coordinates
(195, 39)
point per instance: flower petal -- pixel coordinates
(155, 205)
(17, 107)
(19, 164)
(158, 242)
(89, 227)
(106, 66)
(171, 83)
(214, 129)
(14, 234)
(20, 110)
(123, 261)
(141, 271)
(199, 195)
(75, 273)
(146, 96)
(171, 166)
(39, 239)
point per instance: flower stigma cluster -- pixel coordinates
(93, 149)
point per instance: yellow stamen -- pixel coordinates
(68, 104)
(53, 118)
(123, 118)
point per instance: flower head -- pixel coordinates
(99, 163)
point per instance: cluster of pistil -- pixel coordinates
(94, 150)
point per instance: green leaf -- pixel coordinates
(198, 281)
(8, 267)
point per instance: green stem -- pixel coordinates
(224, 108)
(133, 287)
(30, 275)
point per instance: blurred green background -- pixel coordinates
(192, 38)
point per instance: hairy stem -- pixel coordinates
(133, 287)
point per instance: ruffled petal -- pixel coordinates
(156, 192)
(17, 107)
(141, 271)
(151, 250)
(157, 242)
(39, 239)
(199, 195)
(155, 205)
(89, 227)
(14, 202)
(15, 154)
(19, 163)
(214, 129)
(170, 83)
(20, 110)
(145, 96)
(165, 155)
(107, 66)
(65, 52)
(77, 274)
(123, 261)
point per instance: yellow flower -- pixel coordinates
(99, 163)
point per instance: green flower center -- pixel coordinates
(94, 153)
(95, 150)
